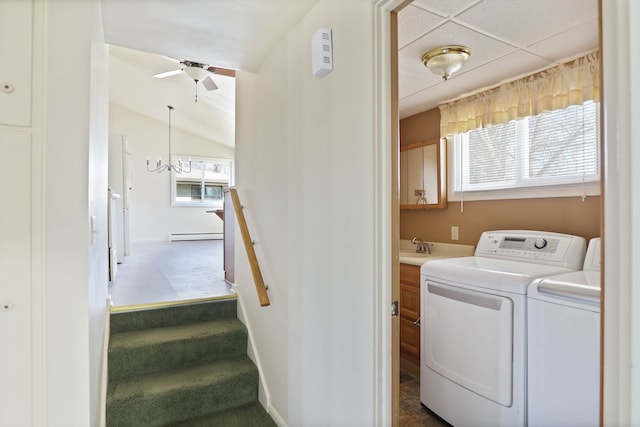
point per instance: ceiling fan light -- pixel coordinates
(196, 73)
(445, 61)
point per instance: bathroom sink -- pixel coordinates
(413, 254)
(413, 257)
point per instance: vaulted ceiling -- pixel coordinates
(507, 38)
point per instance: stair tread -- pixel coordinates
(192, 377)
(160, 317)
(250, 415)
(150, 337)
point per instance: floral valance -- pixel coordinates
(555, 88)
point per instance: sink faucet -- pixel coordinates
(422, 247)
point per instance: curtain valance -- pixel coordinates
(556, 88)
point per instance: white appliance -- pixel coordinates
(563, 346)
(112, 212)
(473, 333)
(121, 182)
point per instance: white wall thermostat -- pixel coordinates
(321, 52)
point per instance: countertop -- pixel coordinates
(408, 254)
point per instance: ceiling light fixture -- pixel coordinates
(199, 73)
(446, 60)
(176, 168)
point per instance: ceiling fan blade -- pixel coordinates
(209, 84)
(222, 71)
(167, 74)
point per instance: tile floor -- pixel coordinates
(176, 271)
(170, 271)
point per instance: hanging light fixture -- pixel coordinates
(446, 60)
(169, 167)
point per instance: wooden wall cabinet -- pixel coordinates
(410, 313)
(423, 178)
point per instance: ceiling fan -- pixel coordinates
(198, 73)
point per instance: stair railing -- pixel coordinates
(261, 287)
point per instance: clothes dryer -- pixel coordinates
(473, 346)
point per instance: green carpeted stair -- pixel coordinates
(183, 365)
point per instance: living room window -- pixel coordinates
(203, 185)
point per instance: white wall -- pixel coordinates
(306, 174)
(74, 185)
(151, 215)
(98, 251)
(56, 277)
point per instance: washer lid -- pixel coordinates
(577, 285)
(490, 273)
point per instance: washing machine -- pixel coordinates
(563, 346)
(473, 347)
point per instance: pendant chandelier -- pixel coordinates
(169, 167)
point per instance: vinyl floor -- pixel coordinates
(170, 271)
(412, 413)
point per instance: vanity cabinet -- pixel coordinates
(410, 313)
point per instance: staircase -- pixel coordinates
(183, 365)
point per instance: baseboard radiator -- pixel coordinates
(175, 237)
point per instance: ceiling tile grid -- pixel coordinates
(507, 38)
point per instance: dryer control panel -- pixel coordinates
(534, 247)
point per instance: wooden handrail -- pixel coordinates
(261, 288)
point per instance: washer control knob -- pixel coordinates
(540, 243)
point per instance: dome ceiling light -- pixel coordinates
(446, 60)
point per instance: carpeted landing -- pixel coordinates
(183, 365)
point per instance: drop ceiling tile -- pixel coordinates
(509, 67)
(444, 7)
(525, 22)
(483, 48)
(414, 22)
(409, 84)
(569, 44)
(430, 98)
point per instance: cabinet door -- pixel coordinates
(409, 301)
(409, 339)
(410, 274)
(15, 57)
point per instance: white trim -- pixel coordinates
(175, 237)
(382, 227)
(586, 189)
(104, 367)
(264, 395)
(275, 415)
(621, 387)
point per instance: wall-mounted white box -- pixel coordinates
(321, 52)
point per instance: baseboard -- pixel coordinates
(264, 396)
(174, 237)
(104, 370)
(275, 415)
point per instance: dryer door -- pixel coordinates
(468, 339)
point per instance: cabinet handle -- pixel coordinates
(417, 322)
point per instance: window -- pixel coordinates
(554, 148)
(203, 185)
